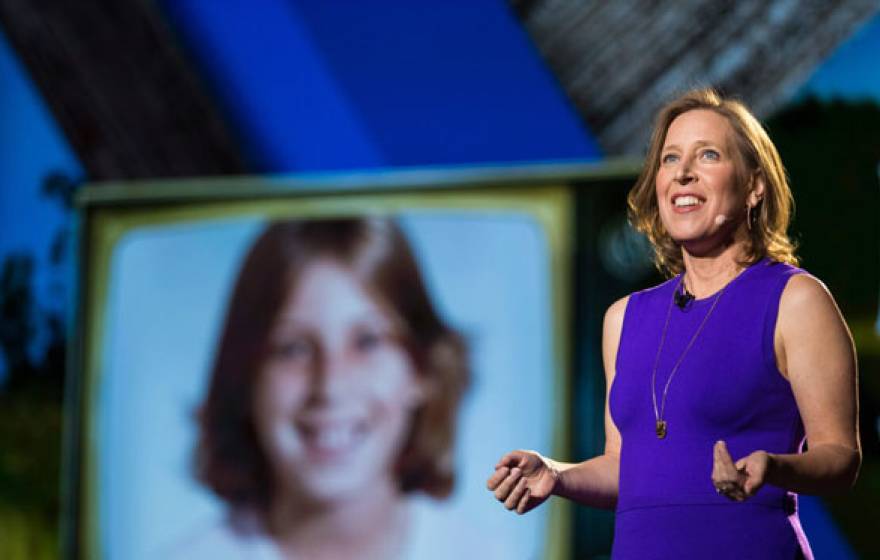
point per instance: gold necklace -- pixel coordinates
(661, 426)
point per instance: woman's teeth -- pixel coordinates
(333, 438)
(683, 201)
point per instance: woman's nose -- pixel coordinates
(684, 173)
(329, 375)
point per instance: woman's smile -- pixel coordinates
(684, 203)
(329, 442)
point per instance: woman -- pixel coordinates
(717, 376)
(333, 396)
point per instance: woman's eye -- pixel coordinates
(367, 340)
(711, 154)
(669, 158)
(294, 349)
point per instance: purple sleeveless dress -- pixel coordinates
(727, 388)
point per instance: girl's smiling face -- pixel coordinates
(336, 393)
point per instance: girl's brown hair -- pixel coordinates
(229, 459)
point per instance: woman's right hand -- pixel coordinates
(523, 480)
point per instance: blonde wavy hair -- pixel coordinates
(756, 157)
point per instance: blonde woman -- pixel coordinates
(719, 376)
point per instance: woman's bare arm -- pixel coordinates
(595, 482)
(816, 354)
(524, 479)
(814, 351)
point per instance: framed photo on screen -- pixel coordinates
(255, 354)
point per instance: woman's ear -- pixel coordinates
(756, 189)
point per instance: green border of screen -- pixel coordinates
(107, 212)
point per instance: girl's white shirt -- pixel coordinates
(435, 533)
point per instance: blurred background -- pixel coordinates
(144, 89)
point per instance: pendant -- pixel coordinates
(661, 429)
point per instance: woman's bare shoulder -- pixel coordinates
(615, 313)
(611, 331)
(810, 321)
(805, 297)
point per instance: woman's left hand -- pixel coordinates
(741, 480)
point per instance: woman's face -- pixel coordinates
(698, 196)
(335, 395)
